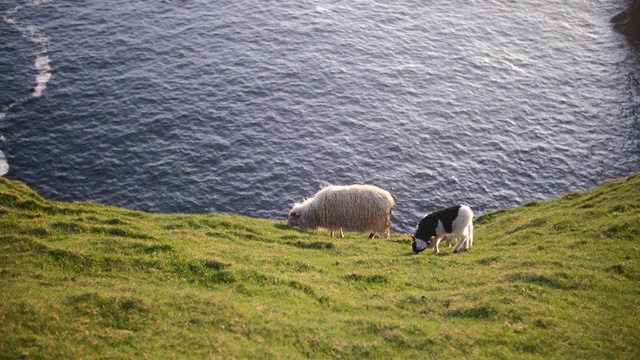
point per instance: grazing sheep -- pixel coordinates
(358, 208)
(455, 222)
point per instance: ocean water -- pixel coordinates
(246, 106)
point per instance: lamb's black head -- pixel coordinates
(418, 245)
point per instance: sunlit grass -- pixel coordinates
(552, 279)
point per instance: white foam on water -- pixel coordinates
(44, 74)
(4, 165)
(36, 36)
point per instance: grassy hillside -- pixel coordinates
(553, 279)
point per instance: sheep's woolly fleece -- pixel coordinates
(357, 208)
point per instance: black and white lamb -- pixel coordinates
(455, 222)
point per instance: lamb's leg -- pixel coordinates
(469, 237)
(331, 233)
(341, 234)
(449, 239)
(461, 243)
(467, 244)
(436, 242)
(372, 235)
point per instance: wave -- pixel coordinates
(41, 64)
(44, 74)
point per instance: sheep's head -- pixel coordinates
(418, 245)
(294, 216)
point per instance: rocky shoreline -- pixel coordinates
(628, 21)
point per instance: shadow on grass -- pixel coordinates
(317, 245)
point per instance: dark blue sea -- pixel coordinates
(246, 106)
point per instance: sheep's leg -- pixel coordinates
(372, 235)
(333, 231)
(386, 232)
(387, 229)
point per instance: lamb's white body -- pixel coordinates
(447, 224)
(358, 208)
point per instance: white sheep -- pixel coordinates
(455, 222)
(358, 208)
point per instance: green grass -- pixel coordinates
(550, 279)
